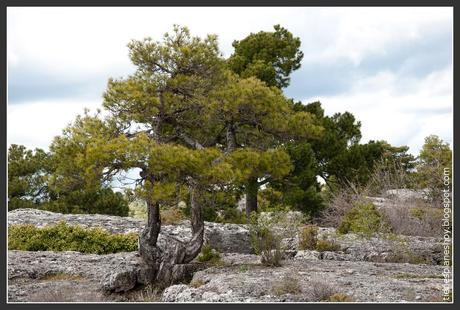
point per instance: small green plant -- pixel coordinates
(209, 255)
(308, 237)
(363, 219)
(244, 268)
(326, 245)
(265, 241)
(63, 237)
(289, 284)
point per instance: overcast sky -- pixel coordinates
(390, 67)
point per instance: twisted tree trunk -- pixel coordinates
(252, 189)
(167, 258)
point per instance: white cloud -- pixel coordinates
(80, 43)
(401, 111)
(82, 39)
(36, 124)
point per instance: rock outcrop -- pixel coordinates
(32, 274)
(378, 269)
(307, 280)
(227, 238)
(234, 238)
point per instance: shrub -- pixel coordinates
(363, 218)
(308, 237)
(289, 284)
(340, 201)
(265, 241)
(326, 245)
(414, 219)
(321, 291)
(63, 237)
(209, 255)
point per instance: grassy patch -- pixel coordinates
(405, 256)
(149, 293)
(63, 237)
(404, 276)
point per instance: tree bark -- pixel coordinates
(167, 260)
(252, 188)
(231, 139)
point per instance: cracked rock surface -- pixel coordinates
(361, 269)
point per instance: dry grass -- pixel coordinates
(327, 245)
(406, 216)
(340, 203)
(62, 276)
(149, 293)
(321, 291)
(196, 283)
(339, 297)
(289, 284)
(66, 294)
(414, 218)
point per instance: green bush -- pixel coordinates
(308, 237)
(363, 218)
(265, 241)
(209, 255)
(63, 237)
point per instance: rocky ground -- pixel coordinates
(396, 269)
